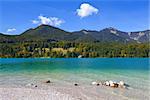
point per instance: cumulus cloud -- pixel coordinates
(35, 21)
(54, 21)
(11, 30)
(86, 10)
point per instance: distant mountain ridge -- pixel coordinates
(50, 33)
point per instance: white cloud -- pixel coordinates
(54, 21)
(35, 21)
(44, 20)
(86, 10)
(11, 30)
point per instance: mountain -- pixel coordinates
(40, 33)
(140, 36)
(46, 32)
(50, 33)
(108, 35)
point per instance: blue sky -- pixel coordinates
(126, 15)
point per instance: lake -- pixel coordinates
(134, 71)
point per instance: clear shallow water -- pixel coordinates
(134, 71)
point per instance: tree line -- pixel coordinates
(64, 49)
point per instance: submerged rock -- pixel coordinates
(114, 84)
(94, 83)
(76, 84)
(30, 84)
(111, 83)
(107, 83)
(121, 83)
(35, 86)
(97, 84)
(48, 81)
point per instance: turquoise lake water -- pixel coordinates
(19, 71)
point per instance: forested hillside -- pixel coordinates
(48, 41)
(71, 49)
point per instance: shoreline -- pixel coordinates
(52, 91)
(55, 93)
(32, 94)
(71, 57)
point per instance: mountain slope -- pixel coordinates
(50, 33)
(106, 35)
(140, 36)
(44, 32)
